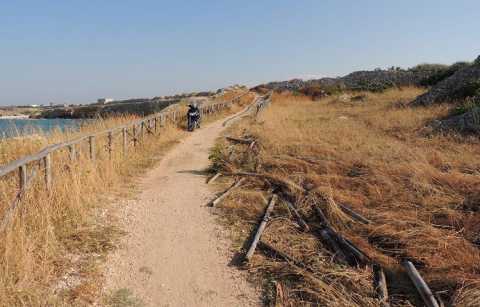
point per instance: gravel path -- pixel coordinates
(175, 254)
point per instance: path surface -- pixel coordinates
(175, 254)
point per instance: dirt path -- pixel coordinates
(174, 253)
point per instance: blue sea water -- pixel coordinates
(19, 127)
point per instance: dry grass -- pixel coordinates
(50, 254)
(419, 189)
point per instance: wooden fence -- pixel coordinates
(130, 133)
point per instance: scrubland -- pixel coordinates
(51, 253)
(376, 155)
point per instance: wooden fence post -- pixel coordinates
(134, 132)
(125, 144)
(48, 171)
(110, 144)
(155, 124)
(71, 149)
(22, 174)
(91, 142)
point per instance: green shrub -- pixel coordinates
(216, 158)
(315, 92)
(428, 67)
(373, 86)
(469, 104)
(477, 61)
(333, 89)
(470, 89)
(438, 72)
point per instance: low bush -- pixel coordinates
(438, 72)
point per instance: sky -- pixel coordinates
(77, 51)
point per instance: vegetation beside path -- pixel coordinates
(51, 253)
(418, 189)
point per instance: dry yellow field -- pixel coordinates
(419, 189)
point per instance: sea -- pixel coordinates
(15, 127)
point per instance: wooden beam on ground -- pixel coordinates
(323, 219)
(339, 254)
(265, 246)
(355, 215)
(227, 192)
(349, 252)
(261, 228)
(239, 140)
(213, 178)
(297, 215)
(355, 252)
(420, 284)
(284, 182)
(380, 285)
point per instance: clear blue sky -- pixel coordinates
(77, 51)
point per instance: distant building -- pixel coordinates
(104, 100)
(58, 105)
(34, 106)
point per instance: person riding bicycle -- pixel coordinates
(193, 115)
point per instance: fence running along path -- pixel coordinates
(131, 133)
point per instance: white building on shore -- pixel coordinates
(104, 100)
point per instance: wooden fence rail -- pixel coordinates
(147, 125)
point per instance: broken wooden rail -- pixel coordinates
(131, 133)
(240, 140)
(297, 215)
(261, 228)
(213, 178)
(222, 196)
(422, 287)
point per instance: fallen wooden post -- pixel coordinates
(380, 285)
(420, 284)
(352, 254)
(297, 215)
(321, 216)
(355, 215)
(215, 177)
(240, 140)
(261, 227)
(339, 254)
(226, 192)
(278, 181)
(356, 255)
(268, 247)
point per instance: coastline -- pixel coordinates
(14, 117)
